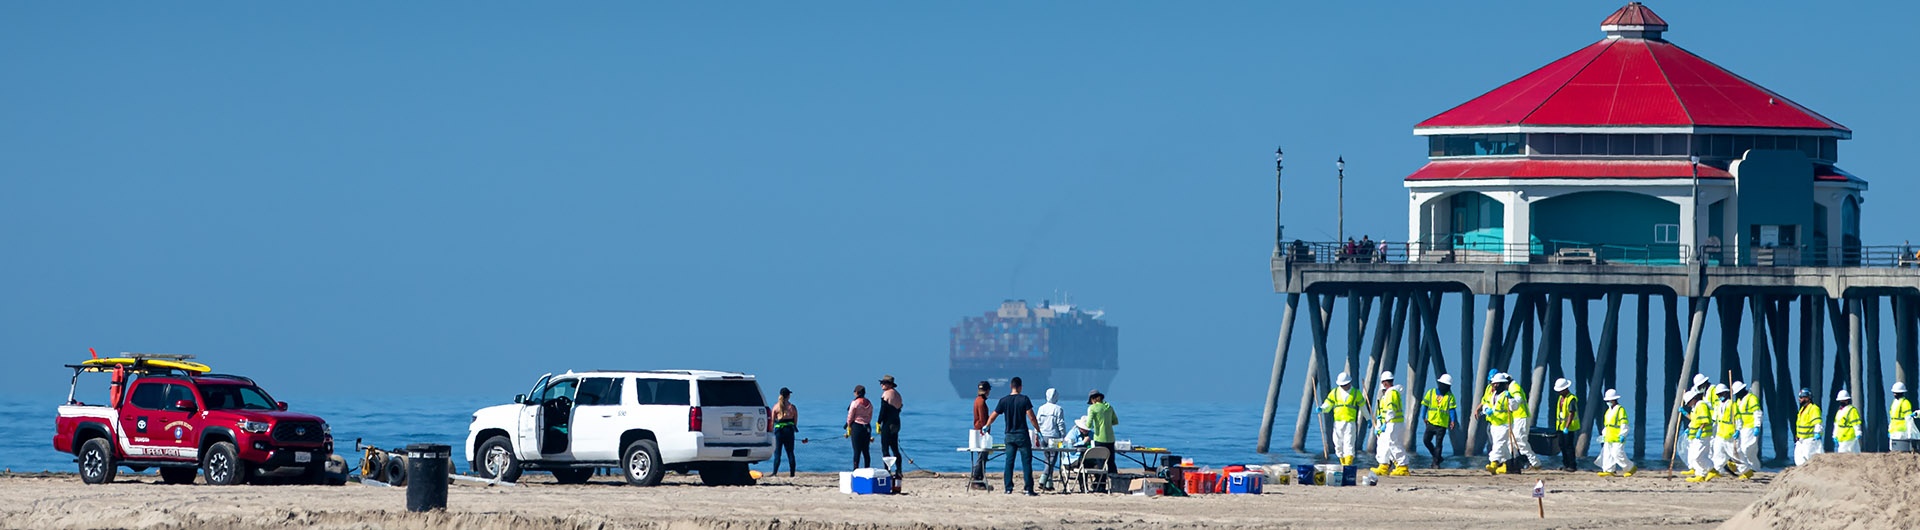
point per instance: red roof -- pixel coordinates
(1632, 82)
(1634, 14)
(1582, 169)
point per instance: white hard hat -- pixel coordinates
(1612, 395)
(1719, 389)
(1696, 393)
(1899, 387)
(1739, 386)
(1344, 379)
(1843, 396)
(1562, 384)
(1386, 376)
(1446, 379)
(1502, 378)
(1699, 379)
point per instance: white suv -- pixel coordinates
(645, 423)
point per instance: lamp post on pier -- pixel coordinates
(1340, 227)
(1279, 230)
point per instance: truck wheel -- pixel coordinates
(96, 462)
(397, 470)
(642, 463)
(572, 476)
(223, 466)
(178, 475)
(497, 461)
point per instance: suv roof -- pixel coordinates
(677, 374)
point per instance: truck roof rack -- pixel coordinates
(161, 356)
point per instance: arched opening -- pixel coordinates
(1618, 226)
(1850, 231)
(1475, 220)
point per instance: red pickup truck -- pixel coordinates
(185, 421)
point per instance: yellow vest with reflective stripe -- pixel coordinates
(1439, 408)
(1345, 404)
(1700, 420)
(1565, 417)
(1520, 397)
(1616, 423)
(1748, 410)
(1846, 424)
(1723, 420)
(1897, 415)
(1496, 405)
(1808, 422)
(1392, 407)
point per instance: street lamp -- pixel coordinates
(1340, 227)
(1279, 231)
(1693, 239)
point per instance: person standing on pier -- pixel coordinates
(888, 424)
(1846, 425)
(1388, 421)
(1497, 406)
(1613, 434)
(1700, 437)
(1345, 405)
(1806, 429)
(1440, 404)
(1566, 422)
(786, 422)
(1523, 425)
(1900, 415)
(1746, 410)
(860, 427)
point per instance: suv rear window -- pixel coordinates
(730, 393)
(661, 392)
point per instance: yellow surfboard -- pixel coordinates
(110, 362)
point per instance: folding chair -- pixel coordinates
(1092, 466)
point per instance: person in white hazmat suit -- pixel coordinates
(1613, 432)
(1344, 402)
(1808, 428)
(1699, 431)
(1497, 406)
(1747, 412)
(1389, 420)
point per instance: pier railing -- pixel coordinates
(1572, 252)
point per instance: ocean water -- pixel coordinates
(1214, 434)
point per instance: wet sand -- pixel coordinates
(1430, 499)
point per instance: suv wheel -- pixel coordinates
(96, 462)
(177, 475)
(497, 461)
(223, 465)
(642, 463)
(573, 476)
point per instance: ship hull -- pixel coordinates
(1070, 382)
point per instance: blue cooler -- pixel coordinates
(1303, 474)
(1246, 482)
(866, 481)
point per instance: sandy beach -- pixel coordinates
(1447, 498)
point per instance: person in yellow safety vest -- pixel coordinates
(1497, 406)
(1726, 432)
(1613, 434)
(1846, 425)
(1522, 423)
(1700, 437)
(1746, 412)
(1388, 422)
(1345, 403)
(1806, 429)
(1900, 415)
(1440, 404)
(1566, 422)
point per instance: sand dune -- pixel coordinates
(1449, 499)
(1836, 491)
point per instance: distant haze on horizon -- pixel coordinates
(454, 198)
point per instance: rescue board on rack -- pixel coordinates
(141, 362)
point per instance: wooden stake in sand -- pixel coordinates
(1540, 496)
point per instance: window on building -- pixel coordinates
(1476, 145)
(1666, 233)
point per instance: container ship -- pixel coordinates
(1048, 346)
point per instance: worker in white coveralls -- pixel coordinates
(1900, 415)
(1345, 403)
(1497, 406)
(1807, 428)
(1726, 433)
(1389, 420)
(1746, 411)
(1613, 434)
(1522, 425)
(1846, 425)
(1699, 437)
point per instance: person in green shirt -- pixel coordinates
(1100, 420)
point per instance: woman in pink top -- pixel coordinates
(860, 427)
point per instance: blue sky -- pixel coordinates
(438, 197)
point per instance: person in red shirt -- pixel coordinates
(980, 414)
(860, 427)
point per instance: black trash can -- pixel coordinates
(427, 476)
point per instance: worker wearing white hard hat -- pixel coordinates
(1900, 415)
(1699, 431)
(1497, 406)
(1613, 435)
(1389, 420)
(1439, 404)
(1344, 402)
(1566, 422)
(1700, 382)
(1746, 413)
(1846, 424)
(1726, 433)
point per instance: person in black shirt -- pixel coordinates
(1019, 412)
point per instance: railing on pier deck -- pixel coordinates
(1573, 252)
